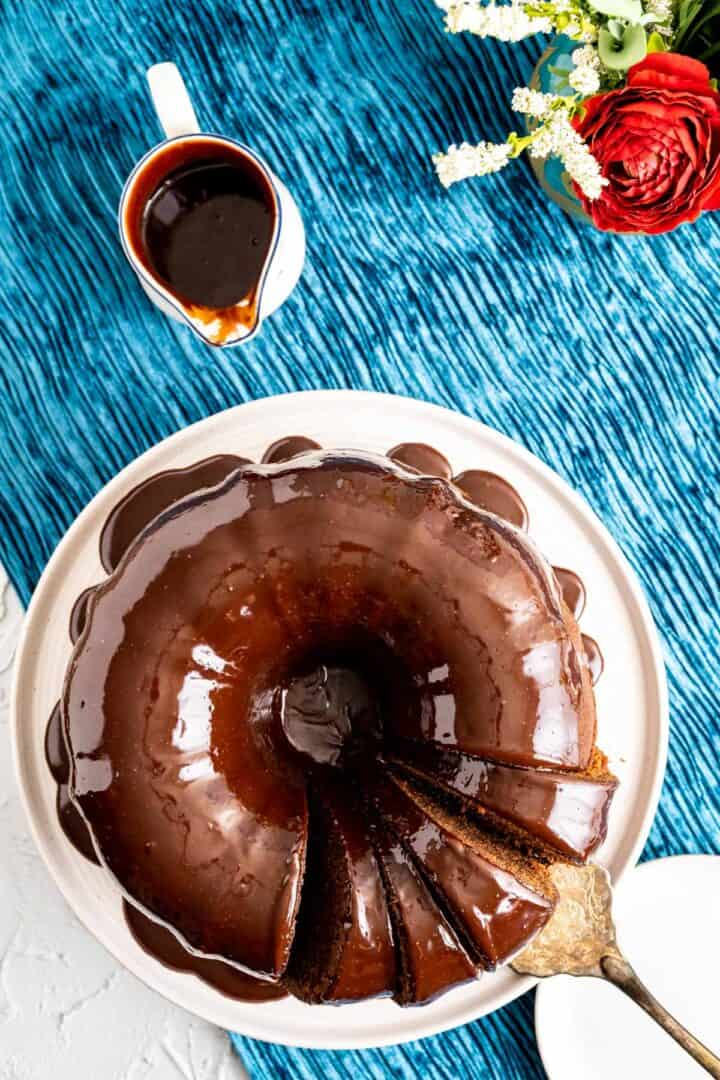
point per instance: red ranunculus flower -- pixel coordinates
(658, 143)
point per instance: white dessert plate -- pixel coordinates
(668, 921)
(631, 695)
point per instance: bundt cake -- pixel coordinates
(327, 722)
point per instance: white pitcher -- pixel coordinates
(284, 260)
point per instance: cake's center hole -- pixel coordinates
(331, 713)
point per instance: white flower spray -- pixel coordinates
(519, 19)
(558, 138)
(554, 136)
(663, 15)
(504, 22)
(462, 162)
(585, 76)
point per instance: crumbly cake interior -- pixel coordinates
(315, 956)
(496, 845)
(581, 805)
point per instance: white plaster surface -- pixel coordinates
(67, 1008)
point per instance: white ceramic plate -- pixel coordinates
(631, 695)
(587, 1028)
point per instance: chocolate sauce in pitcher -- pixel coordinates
(202, 217)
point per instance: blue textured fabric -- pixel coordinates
(598, 353)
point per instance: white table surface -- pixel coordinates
(67, 1008)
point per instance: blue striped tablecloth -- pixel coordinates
(598, 353)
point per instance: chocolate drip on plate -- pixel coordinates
(492, 493)
(572, 589)
(288, 447)
(421, 458)
(594, 658)
(71, 820)
(73, 825)
(79, 613)
(56, 753)
(148, 500)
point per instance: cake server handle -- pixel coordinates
(617, 970)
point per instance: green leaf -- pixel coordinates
(630, 10)
(687, 12)
(621, 56)
(519, 142)
(656, 43)
(698, 32)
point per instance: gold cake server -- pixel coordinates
(580, 939)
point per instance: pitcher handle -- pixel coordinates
(171, 100)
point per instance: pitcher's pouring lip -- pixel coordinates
(240, 335)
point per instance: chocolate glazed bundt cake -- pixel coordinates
(327, 722)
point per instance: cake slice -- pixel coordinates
(431, 957)
(344, 948)
(567, 812)
(494, 902)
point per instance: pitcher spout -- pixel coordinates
(200, 221)
(230, 325)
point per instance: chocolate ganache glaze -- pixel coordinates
(166, 947)
(268, 591)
